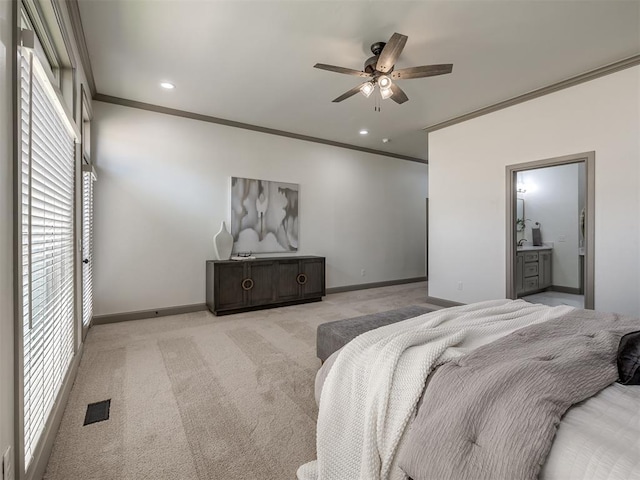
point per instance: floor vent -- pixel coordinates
(97, 412)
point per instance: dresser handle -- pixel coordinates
(247, 284)
(301, 279)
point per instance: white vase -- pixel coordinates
(223, 243)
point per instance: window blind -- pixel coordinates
(47, 203)
(87, 245)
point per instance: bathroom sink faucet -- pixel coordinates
(521, 241)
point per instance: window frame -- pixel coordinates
(32, 14)
(86, 116)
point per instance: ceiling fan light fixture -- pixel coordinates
(380, 70)
(385, 93)
(367, 89)
(384, 82)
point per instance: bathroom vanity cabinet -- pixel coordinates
(533, 270)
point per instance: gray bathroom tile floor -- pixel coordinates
(555, 299)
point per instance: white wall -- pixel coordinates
(552, 200)
(467, 187)
(6, 231)
(163, 190)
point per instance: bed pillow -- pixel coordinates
(629, 359)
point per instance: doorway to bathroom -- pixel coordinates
(550, 231)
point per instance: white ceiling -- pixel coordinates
(251, 61)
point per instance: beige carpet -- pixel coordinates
(196, 396)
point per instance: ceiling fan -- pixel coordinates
(379, 69)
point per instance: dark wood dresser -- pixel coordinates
(239, 286)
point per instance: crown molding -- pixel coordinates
(246, 126)
(569, 82)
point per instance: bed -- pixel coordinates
(388, 401)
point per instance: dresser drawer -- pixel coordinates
(531, 257)
(530, 284)
(530, 270)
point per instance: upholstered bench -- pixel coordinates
(332, 336)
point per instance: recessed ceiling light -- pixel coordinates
(364, 132)
(167, 85)
(385, 140)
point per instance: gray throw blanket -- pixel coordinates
(493, 414)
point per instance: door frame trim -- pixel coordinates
(426, 256)
(590, 169)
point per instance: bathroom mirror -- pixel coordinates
(520, 214)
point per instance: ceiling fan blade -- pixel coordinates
(348, 94)
(391, 52)
(346, 71)
(423, 71)
(398, 94)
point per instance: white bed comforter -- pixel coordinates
(372, 391)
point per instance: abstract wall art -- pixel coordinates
(264, 216)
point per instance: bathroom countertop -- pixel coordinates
(532, 248)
